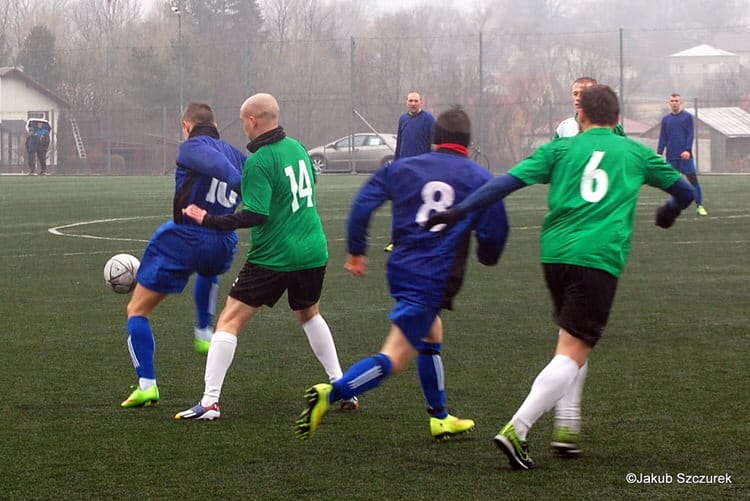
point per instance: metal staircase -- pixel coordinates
(78, 139)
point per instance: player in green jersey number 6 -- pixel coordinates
(288, 250)
(594, 179)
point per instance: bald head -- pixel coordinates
(259, 114)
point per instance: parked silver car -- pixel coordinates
(371, 151)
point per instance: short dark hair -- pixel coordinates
(199, 113)
(452, 126)
(585, 80)
(599, 103)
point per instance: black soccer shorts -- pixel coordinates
(257, 286)
(582, 299)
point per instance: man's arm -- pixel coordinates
(491, 233)
(682, 196)
(492, 191)
(200, 157)
(662, 137)
(226, 222)
(399, 134)
(689, 137)
(371, 196)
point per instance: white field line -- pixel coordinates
(57, 230)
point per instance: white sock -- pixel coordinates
(549, 387)
(145, 383)
(321, 341)
(220, 356)
(204, 333)
(568, 408)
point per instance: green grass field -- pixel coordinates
(667, 392)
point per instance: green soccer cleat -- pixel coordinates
(317, 406)
(565, 442)
(449, 426)
(701, 211)
(389, 247)
(202, 339)
(142, 398)
(516, 449)
(201, 346)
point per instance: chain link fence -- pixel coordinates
(125, 101)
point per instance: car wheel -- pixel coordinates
(386, 160)
(318, 163)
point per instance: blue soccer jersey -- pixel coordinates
(427, 267)
(208, 173)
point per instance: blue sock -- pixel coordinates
(205, 294)
(363, 376)
(432, 378)
(698, 194)
(142, 346)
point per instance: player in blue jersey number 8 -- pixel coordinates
(425, 269)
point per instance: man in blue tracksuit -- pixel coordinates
(414, 135)
(676, 136)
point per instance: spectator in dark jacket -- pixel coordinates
(31, 146)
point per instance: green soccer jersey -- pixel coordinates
(594, 179)
(278, 182)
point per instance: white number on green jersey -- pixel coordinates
(217, 193)
(300, 185)
(437, 196)
(595, 182)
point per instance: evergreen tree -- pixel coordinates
(37, 56)
(5, 59)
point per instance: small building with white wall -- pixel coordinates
(22, 98)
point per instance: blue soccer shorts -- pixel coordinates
(414, 320)
(176, 251)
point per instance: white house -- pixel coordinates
(22, 98)
(691, 69)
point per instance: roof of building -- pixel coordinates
(634, 127)
(731, 121)
(11, 71)
(702, 50)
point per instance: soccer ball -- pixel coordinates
(119, 272)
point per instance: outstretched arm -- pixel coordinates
(227, 222)
(492, 191)
(682, 196)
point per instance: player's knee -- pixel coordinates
(426, 348)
